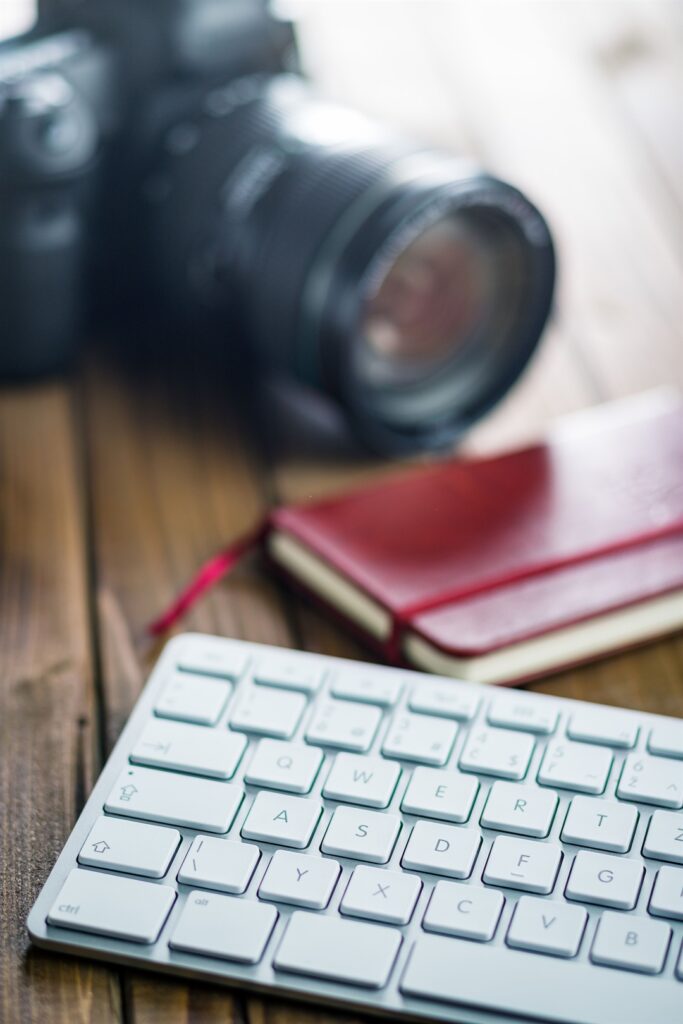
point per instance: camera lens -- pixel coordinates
(408, 285)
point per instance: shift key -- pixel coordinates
(174, 799)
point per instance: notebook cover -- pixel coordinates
(475, 555)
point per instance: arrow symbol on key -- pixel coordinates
(101, 846)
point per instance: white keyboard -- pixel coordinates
(383, 840)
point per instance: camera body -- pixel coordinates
(85, 108)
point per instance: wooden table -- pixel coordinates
(117, 482)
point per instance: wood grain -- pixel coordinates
(48, 717)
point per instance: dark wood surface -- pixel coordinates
(116, 483)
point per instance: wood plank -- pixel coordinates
(48, 717)
(172, 481)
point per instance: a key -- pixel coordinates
(300, 879)
(666, 739)
(667, 895)
(287, 673)
(524, 810)
(652, 780)
(511, 711)
(119, 845)
(193, 698)
(664, 839)
(344, 724)
(214, 925)
(448, 796)
(420, 738)
(600, 824)
(575, 766)
(369, 781)
(174, 799)
(122, 908)
(605, 880)
(328, 947)
(442, 849)
(497, 752)
(378, 895)
(189, 748)
(291, 767)
(284, 820)
(546, 927)
(221, 864)
(367, 687)
(268, 712)
(463, 910)
(520, 864)
(361, 835)
(213, 658)
(604, 726)
(449, 700)
(453, 972)
(633, 943)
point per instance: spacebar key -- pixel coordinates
(348, 951)
(453, 971)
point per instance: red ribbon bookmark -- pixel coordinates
(209, 574)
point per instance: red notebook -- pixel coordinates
(507, 568)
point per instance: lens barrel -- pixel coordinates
(408, 285)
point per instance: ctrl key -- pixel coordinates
(122, 908)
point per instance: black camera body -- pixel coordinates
(167, 154)
(83, 107)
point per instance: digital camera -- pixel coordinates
(168, 155)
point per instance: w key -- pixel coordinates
(369, 781)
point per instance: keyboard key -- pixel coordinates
(213, 925)
(328, 947)
(213, 657)
(520, 864)
(189, 748)
(268, 712)
(514, 711)
(600, 824)
(652, 780)
(119, 845)
(343, 724)
(463, 910)
(497, 752)
(420, 738)
(122, 908)
(291, 767)
(524, 810)
(432, 793)
(667, 895)
(575, 766)
(287, 673)
(512, 982)
(633, 943)
(174, 799)
(442, 849)
(449, 700)
(667, 739)
(300, 879)
(378, 895)
(369, 781)
(605, 880)
(221, 864)
(664, 839)
(367, 687)
(546, 927)
(284, 820)
(361, 835)
(193, 698)
(603, 725)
